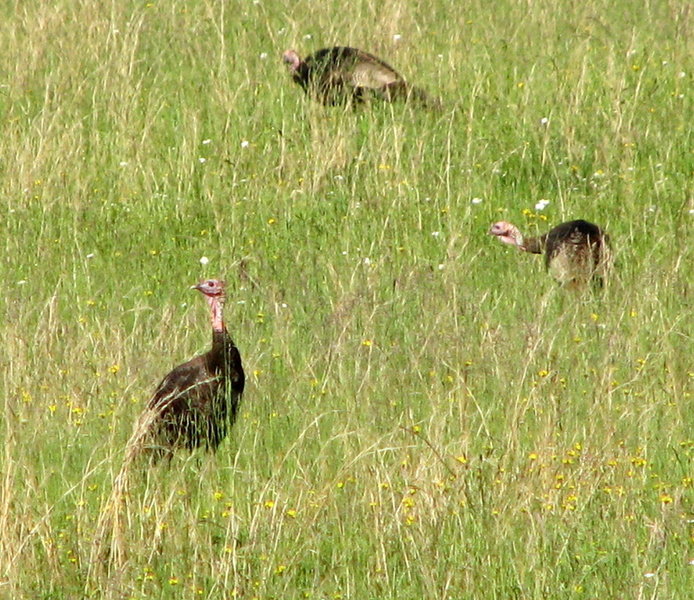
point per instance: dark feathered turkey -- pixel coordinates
(197, 402)
(340, 75)
(576, 252)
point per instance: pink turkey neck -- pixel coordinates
(216, 304)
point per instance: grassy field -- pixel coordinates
(427, 415)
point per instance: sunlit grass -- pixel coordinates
(427, 414)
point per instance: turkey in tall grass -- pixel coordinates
(342, 75)
(576, 252)
(197, 402)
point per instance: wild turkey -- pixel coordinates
(575, 252)
(197, 402)
(340, 75)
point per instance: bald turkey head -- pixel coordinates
(213, 288)
(292, 59)
(507, 233)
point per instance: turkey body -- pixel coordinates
(197, 402)
(576, 252)
(340, 75)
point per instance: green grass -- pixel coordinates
(427, 414)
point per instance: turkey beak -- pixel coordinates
(195, 287)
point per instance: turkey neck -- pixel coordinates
(216, 304)
(302, 75)
(221, 341)
(534, 245)
(221, 346)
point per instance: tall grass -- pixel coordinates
(427, 415)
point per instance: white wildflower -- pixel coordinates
(204, 260)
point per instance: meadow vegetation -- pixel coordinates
(427, 414)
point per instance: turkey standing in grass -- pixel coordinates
(197, 402)
(575, 252)
(339, 75)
